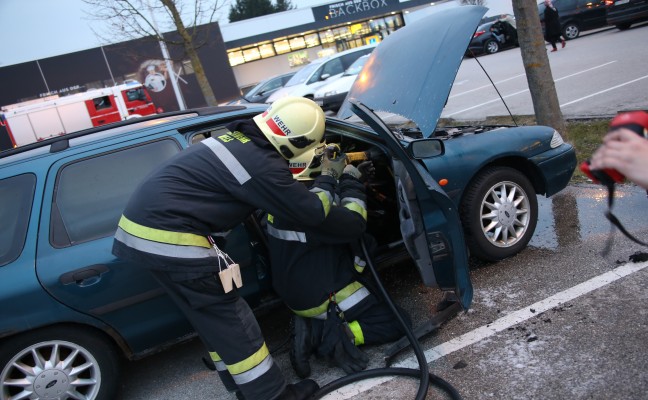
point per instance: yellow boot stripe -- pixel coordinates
(250, 362)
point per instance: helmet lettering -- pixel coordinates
(282, 126)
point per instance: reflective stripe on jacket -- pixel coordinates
(213, 186)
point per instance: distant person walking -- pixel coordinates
(553, 31)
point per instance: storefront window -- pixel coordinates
(312, 40)
(326, 36)
(266, 50)
(282, 46)
(297, 43)
(235, 58)
(251, 54)
(333, 39)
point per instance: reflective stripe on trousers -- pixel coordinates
(249, 369)
(346, 298)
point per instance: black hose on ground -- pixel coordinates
(422, 373)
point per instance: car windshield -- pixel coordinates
(302, 75)
(356, 67)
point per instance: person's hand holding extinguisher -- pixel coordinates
(625, 149)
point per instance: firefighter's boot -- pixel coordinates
(301, 347)
(301, 390)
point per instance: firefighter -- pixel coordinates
(209, 188)
(317, 271)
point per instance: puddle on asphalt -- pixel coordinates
(577, 213)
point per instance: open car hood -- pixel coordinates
(412, 71)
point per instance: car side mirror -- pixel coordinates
(325, 77)
(426, 148)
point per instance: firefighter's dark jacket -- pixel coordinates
(211, 187)
(317, 261)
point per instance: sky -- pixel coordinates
(35, 29)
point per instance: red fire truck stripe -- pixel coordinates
(274, 128)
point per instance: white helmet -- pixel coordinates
(307, 166)
(293, 125)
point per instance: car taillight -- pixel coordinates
(478, 34)
(609, 2)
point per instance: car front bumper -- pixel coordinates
(557, 166)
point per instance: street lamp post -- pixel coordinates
(167, 60)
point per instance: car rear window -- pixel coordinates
(15, 208)
(92, 193)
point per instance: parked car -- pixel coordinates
(331, 95)
(261, 91)
(577, 16)
(484, 42)
(319, 73)
(71, 310)
(624, 13)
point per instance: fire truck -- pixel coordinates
(37, 120)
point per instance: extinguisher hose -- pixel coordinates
(426, 378)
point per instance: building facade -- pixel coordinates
(236, 55)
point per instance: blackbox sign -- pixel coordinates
(352, 9)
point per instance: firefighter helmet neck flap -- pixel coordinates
(294, 125)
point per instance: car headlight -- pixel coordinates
(556, 140)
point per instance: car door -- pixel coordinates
(75, 265)
(592, 13)
(429, 220)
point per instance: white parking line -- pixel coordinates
(522, 91)
(499, 325)
(603, 91)
(483, 87)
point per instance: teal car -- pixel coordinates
(71, 311)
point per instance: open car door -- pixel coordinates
(429, 220)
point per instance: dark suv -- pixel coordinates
(577, 16)
(624, 13)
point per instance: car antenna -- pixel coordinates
(498, 93)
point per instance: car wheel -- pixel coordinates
(624, 26)
(58, 363)
(491, 46)
(571, 31)
(499, 213)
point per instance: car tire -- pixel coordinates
(624, 26)
(491, 46)
(59, 363)
(497, 228)
(571, 31)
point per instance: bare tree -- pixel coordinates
(134, 19)
(536, 66)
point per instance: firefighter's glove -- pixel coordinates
(352, 171)
(337, 343)
(333, 164)
(367, 170)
